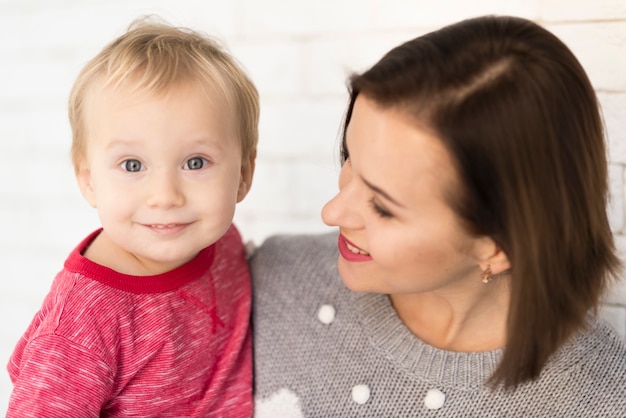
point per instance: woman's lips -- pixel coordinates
(351, 252)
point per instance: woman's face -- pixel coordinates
(398, 234)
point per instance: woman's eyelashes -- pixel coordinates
(379, 210)
(345, 155)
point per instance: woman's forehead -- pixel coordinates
(388, 147)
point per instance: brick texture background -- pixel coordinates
(299, 54)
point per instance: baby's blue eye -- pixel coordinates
(195, 163)
(132, 165)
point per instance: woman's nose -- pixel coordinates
(344, 210)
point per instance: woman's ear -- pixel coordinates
(498, 262)
(245, 180)
(83, 178)
(491, 256)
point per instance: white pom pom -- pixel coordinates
(434, 399)
(360, 394)
(326, 314)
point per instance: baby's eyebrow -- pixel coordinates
(211, 142)
(118, 142)
(216, 144)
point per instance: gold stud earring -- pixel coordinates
(487, 275)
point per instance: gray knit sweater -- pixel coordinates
(324, 351)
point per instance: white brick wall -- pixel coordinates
(299, 53)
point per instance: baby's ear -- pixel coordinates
(83, 178)
(247, 172)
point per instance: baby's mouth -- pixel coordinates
(163, 226)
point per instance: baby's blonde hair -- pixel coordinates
(153, 56)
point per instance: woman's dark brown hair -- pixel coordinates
(521, 121)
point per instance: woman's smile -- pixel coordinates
(351, 252)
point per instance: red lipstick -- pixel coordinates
(349, 255)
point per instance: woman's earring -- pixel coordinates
(487, 275)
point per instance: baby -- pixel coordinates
(150, 314)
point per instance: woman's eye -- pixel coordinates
(380, 211)
(132, 165)
(195, 163)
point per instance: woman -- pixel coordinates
(473, 244)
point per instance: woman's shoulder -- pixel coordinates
(285, 247)
(294, 273)
(284, 255)
(599, 352)
(589, 373)
(596, 344)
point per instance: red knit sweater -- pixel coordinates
(105, 344)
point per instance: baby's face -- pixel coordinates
(164, 172)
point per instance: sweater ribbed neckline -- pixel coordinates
(413, 357)
(460, 370)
